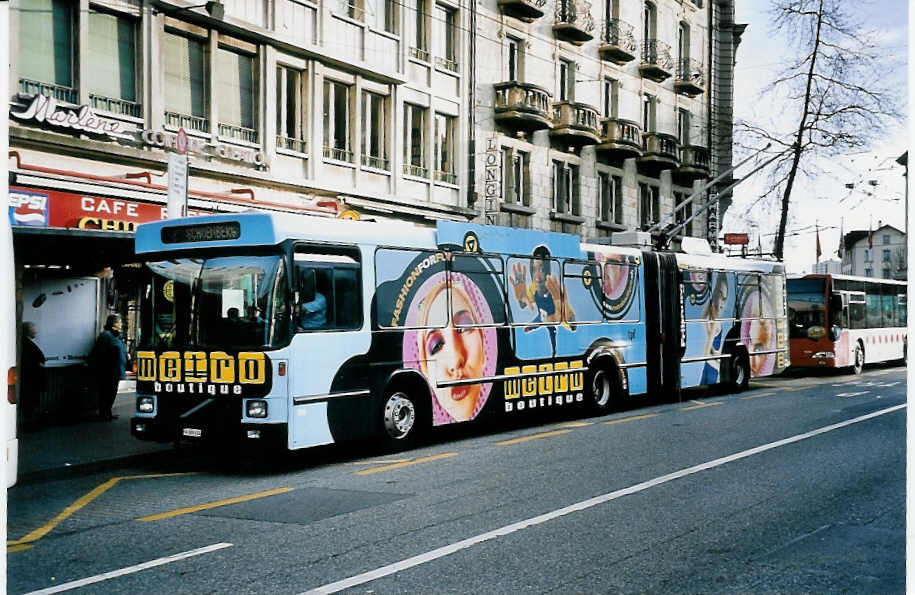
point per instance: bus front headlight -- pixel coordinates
(145, 404)
(256, 408)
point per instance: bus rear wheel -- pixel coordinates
(858, 366)
(399, 417)
(740, 372)
(602, 389)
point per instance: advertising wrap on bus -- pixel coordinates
(316, 332)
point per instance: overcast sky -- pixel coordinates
(826, 200)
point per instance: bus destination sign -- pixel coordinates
(208, 232)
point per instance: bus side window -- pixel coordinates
(856, 317)
(346, 298)
(901, 308)
(327, 291)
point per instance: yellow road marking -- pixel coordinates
(13, 546)
(533, 437)
(209, 505)
(18, 548)
(793, 388)
(577, 424)
(759, 396)
(699, 405)
(383, 462)
(633, 418)
(406, 463)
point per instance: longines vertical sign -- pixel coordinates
(492, 187)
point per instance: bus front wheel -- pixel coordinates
(858, 366)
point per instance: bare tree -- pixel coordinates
(836, 89)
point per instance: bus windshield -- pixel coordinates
(230, 303)
(806, 307)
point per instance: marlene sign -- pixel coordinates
(50, 208)
(81, 118)
(169, 140)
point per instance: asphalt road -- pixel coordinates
(795, 486)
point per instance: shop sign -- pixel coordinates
(50, 208)
(169, 141)
(46, 110)
(492, 187)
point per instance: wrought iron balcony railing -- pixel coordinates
(574, 22)
(291, 144)
(690, 78)
(657, 61)
(338, 154)
(618, 42)
(249, 135)
(116, 106)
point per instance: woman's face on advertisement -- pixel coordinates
(538, 272)
(455, 353)
(760, 335)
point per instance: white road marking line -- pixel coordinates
(863, 392)
(441, 552)
(129, 570)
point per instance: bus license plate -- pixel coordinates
(191, 432)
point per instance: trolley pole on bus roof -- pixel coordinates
(664, 228)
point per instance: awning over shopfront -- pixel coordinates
(84, 249)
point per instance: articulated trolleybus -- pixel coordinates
(302, 332)
(839, 321)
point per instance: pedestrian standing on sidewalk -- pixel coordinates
(32, 378)
(108, 363)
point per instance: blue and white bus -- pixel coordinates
(301, 332)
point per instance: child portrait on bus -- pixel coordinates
(714, 310)
(452, 348)
(543, 295)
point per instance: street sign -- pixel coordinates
(177, 185)
(181, 142)
(736, 238)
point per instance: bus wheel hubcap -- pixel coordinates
(399, 415)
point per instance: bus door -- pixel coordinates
(663, 332)
(327, 318)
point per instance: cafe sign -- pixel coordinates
(161, 139)
(80, 118)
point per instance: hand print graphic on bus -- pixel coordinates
(758, 308)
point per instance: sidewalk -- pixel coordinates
(86, 444)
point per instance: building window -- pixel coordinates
(386, 15)
(683, 213)
(46, 49)
(515, 59)
(414, 126)
(445, 139)
(445, 36)
(565, 188)
(112, 64)
(290, 130)
(649, 106)
(649, 204)
(887, 274)
(235, 95)
(516, 176)
(649, 20)
(610, 205)
(336, 121)
(374, 144)
(886, 239)
(868, 272)
(354, 9)
(611, 93)
(886, 254)
(566, 80)
(867, 255)
(420, 47)
(683, 42)
(186, 83)
(683, 123)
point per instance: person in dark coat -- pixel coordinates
(108, 362)
(32, 379)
